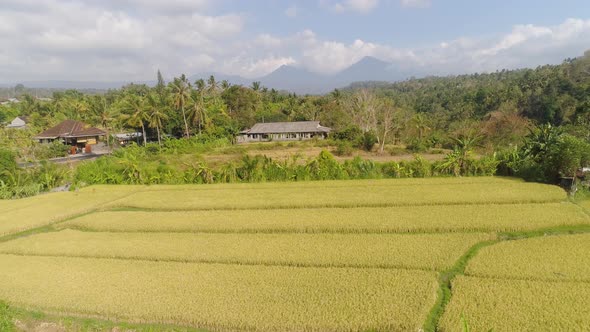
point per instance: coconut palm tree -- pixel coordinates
(197, 114)
(421, 124)
(135, 113)
(181, 95)
(212, 85)
(225, 85)
(105, 115)
(156, 115)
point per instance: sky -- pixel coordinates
(129, 40)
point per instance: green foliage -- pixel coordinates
(55, 149)
(417, 145)
(325, 167)
(6, 323)
(568, 155)
(351, 133)
(7, 164)
(344, 148)
(547, 155)
(368, 140)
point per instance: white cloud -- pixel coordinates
(292, 11)
(94, 41)
(359, 6)
(51, 39)
(250, 67)
(268, 41)
(524, 46)
(415, 3)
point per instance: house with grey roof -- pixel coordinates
(20, 122)
(284, 131)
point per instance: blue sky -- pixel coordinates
(392, 23)
(109, 40)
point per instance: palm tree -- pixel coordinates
(225, 85)
(181, 95)
(80, 108)
(156, 115)
(212, 85)
(105, 116)
(421, 124)
(197, 114)
(200, 85)
(464, 146)
(255, 85)
(136, 113)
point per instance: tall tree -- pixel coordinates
(212, 85)
(181, 95)
(160, 85)
(364, 105)
(156, 115)
(135, 113)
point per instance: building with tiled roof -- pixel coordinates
(284, 131)
(71, 132)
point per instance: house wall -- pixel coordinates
(247, 138)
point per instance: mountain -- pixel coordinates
(293, 79)
(368, 69)
(287, 78)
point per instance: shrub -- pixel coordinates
(368, 140)
(325, 167)
(359, 168)
(7, 160)
(344, 148)
(351, 134)
(417, 145)
(396, 150)
(419, 167)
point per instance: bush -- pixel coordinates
(569, 154)
(419, 167)
(417, 146)
(368, 140)
(7, 160)
(325, 167)
(351, 134)
(396, 150)
(393, 169)
(359, 168)
(344, 148)
(485, 166)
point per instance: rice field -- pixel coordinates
(310, 256)
(424, 251)
(308, 196)
(517, 305)
(223, 297)
(431, 219)
(565, 257)
(21, 215)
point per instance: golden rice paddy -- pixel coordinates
(309, 256)
(221, 297)
(565, 257)
(517, 305)
(423, 251)
(438, 218)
